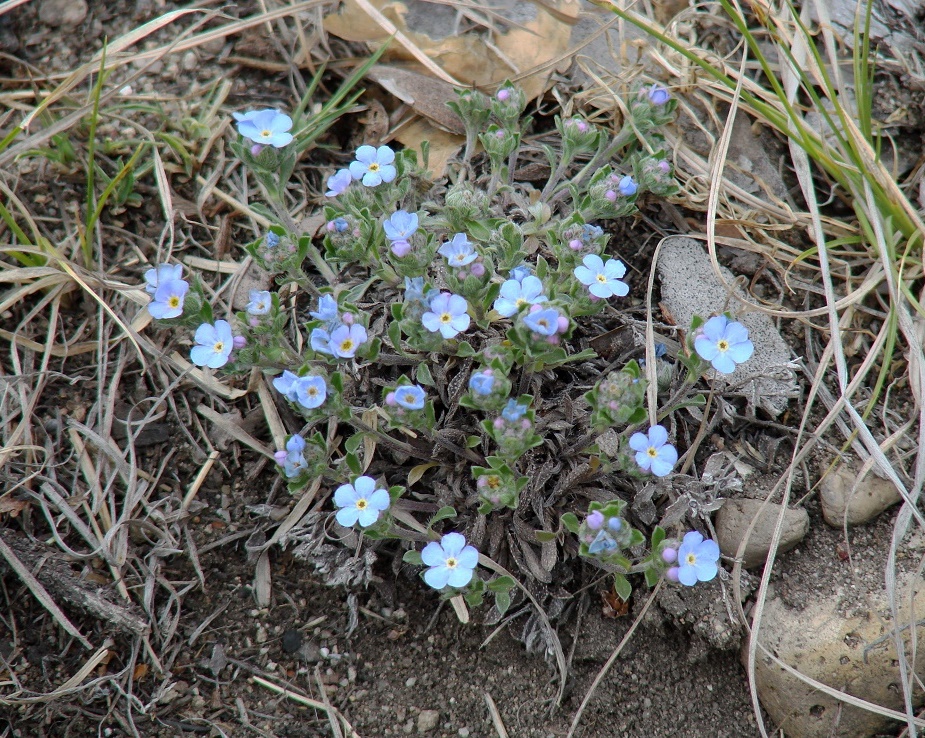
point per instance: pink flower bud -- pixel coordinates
(498, 423)
(552, 340)
(478, 269)
(239, 342)
(482, 481)
(672, 574)
(610, 195)
(330, 226)
(401, 248)
(664, 166)
(535, 308)
(575, 244)
(562, 324)
(613, 405)
(256, 149)
(280, 457)
(504, 94)
(525, 424)
(670, 555)
(253, 322)
(347, 318)
(595, 520)
(390, 399)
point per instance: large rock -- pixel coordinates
(691, 287)
(734, 518)
(852, 653)
(847, 498)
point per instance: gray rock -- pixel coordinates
(854, 654)
(847, 498)
(427, 720)
(735, 516)
(690, 287)
(66, 13)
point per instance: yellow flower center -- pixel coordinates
(312, 391)
(266, 133)
(362, 504)
(494, 481)
(219, 345)
(723, 345)
(451, 563)
(374, 167)
(173, 301)
(652, 451)
(543, 323)
(446, 318)
(346, 345)
(521, 302)
(602, 278)
(691, 559)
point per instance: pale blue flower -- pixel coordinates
(545, 322)
(162, 274)
(213, 344)
(602, 280)
(513, 411)
(360, 502)
(267, 127)
(516, 294)
(653, 452)
(414, 289)
(724, 343)
(658, 95)
(627, 187)
(338, 182)
(451, 561)
(483, 382)
(327, 309)
(373, 166)
(260, 302)
(320, 341)
(310, 391)
(345, 340)
(459, 251)
(401, 226)
(168, 299)
(295, 462)
(272, 240)
(697, 559)
(410, 397)
(285, 384)
(520, 272)
(447, 315)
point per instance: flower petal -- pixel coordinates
(639, 442)
(437, 577)
(453, 544)
(380, 500)
(347, 516)
(433, 555)
(459, 577)
(469, 557)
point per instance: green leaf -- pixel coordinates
(442, 514)
(502, 584)
(658, 535)
(353, 462)
(412, 557)
(464, 349)
(622, 586)
(570, 521)
(353, 443)
(652, 577)
(424, 376)
(544, 536)
(502, 602)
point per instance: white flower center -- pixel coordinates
(347, 345)
(266, 133)
(601, 278)
(446, 318)
(652, 451)
(219, 345)
(451, 563)
(722, 344)
(374, 167)
(691, 559)
(362, 504)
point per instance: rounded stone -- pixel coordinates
(847, 498)
(734, 518)
(66, 13)
(291, 640)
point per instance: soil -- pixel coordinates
(391, 658)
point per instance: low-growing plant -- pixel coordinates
(485, 285)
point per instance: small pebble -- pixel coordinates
(57, 13)
(291, 641)
(427, 720)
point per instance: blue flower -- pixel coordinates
(483, 382)
(653, 452)
(162, 274)
(339, 225)
(602, 280)
(513, 411)
(410, 397)
(459, 251)
(310, 391)
(414, 289)
(451, 561)
(658, 95)
(338, 182)
(213, 344)
(697, 559)
(320, 341)
(345, 340)
(260, 302)
(295, 462)
(327, 309)
(627, 187)
(272, 240)
(516, 294)
(268, 127)
(545, 322)
(373, 166)
(168, 299)
(447, 315)
(724, 343)
(401, 226)
(360, 502)
(520, 272)
(285, 384)
(591, 232)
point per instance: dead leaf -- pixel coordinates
(426, 95)
(443, 146)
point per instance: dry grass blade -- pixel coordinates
(496, 721)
